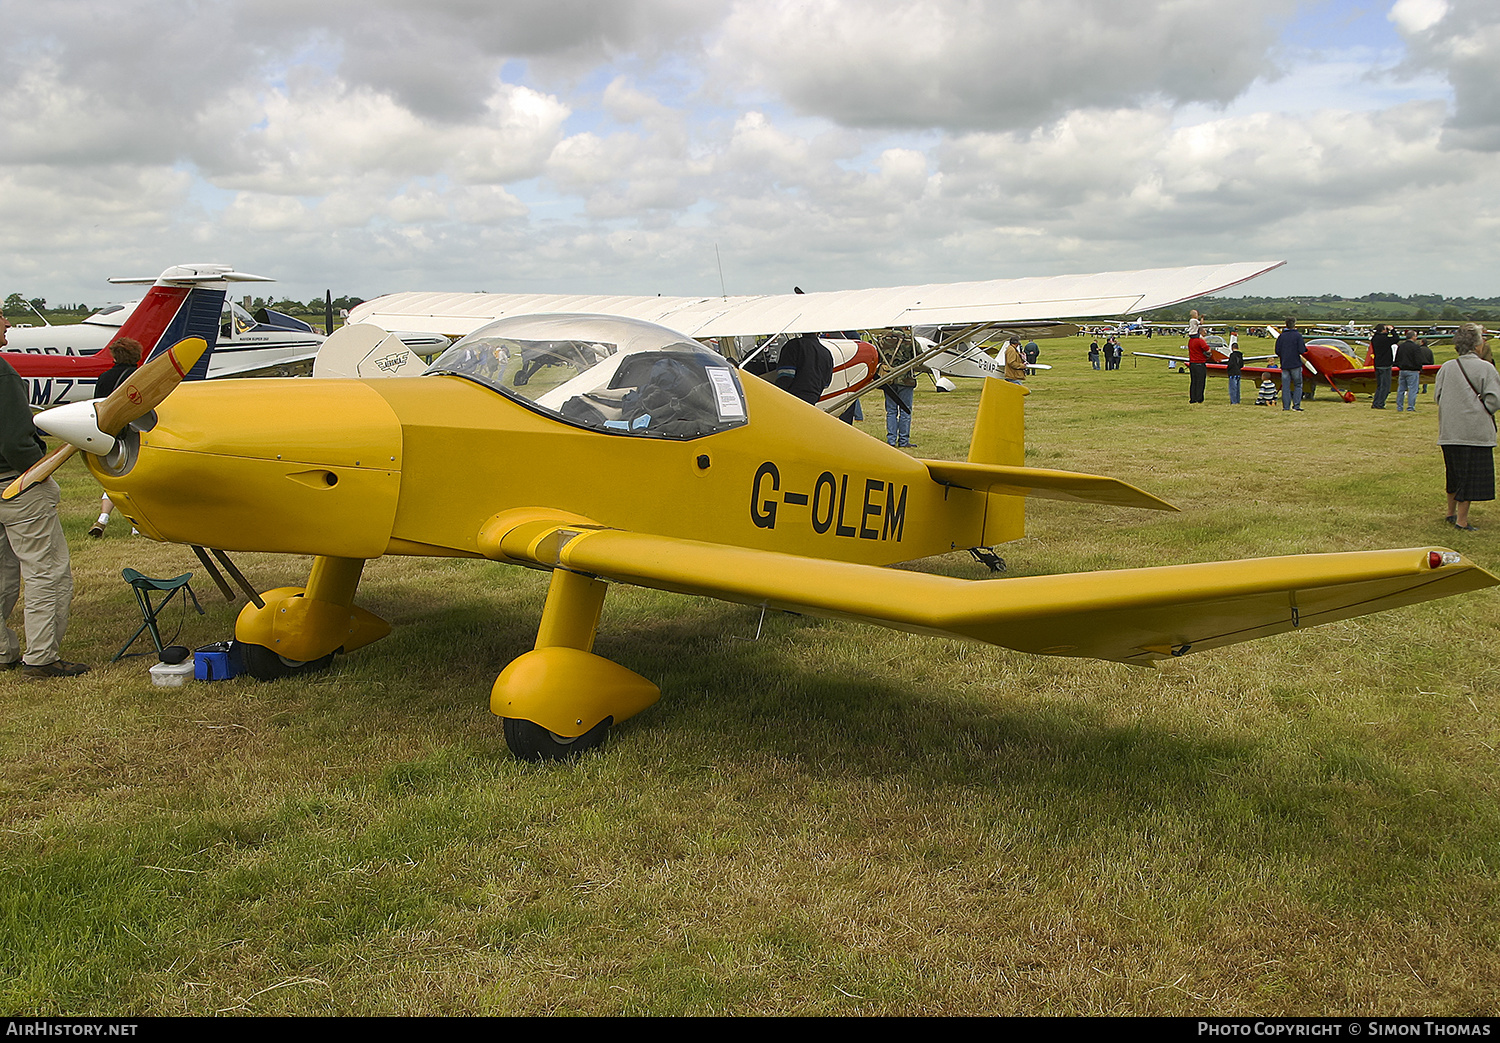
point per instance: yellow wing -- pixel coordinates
(1129, 616)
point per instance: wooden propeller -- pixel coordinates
(142, 392)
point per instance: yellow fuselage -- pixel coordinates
(357, 469)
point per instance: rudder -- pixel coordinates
(1000, 438)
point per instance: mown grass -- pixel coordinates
(831, 819)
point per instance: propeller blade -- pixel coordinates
(149, 386)
(39, 471)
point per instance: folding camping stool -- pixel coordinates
(145, 587)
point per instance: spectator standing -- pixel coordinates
(1409, 365)
(1015, 361)
(1467, 393)
(1236, 364)
(804, 368)
(32, 545)
(897, 350)
(1382, 354)
(1197, 365)
(1289, 348)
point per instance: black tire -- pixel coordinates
(531, 742)
(265, 665)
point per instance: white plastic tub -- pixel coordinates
(172, 675)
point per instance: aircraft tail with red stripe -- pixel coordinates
(184, 301)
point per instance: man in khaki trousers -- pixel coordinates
(32, 546)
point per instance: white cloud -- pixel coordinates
(611, 146)
(1463, 44)
(972, 64)
(259, 212)
(1415, 16)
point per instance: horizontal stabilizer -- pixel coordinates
(1130, 616)
(190, 275)
(1044, 484)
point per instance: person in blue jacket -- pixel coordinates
(1289, 349)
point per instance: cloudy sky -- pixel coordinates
(638, 146)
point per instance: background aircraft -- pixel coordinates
(244, 344)
(967, 311)
(1326, 360)
(981, 358)
(1331, 361)
(1218, 351)
(635, 455)
(994, 302)
(184, 301)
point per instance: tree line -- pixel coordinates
(1371, 308)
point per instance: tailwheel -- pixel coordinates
(532, 742)
(265, 665)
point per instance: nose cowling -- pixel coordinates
(295, 466)
(142, 392)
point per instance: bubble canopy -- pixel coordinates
(603, 372)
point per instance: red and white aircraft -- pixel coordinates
(184, 301)
(62, 363)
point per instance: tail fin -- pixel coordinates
(1000, 438)
(184, 301)
(1000, 428)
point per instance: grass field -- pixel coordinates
(831, 819)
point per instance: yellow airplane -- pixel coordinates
(606, 449)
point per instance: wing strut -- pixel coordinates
(838, 405)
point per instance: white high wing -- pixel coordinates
(995, 301)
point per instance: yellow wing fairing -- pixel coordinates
(1131, 616)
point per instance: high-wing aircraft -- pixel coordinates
(995, 302)
(62, 362)
(970, 310)
(975, 359)
(607, 450)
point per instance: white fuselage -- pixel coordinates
(242, 348)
